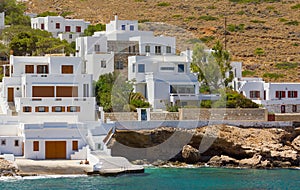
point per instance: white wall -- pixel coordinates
(9, 147)
(93, 64)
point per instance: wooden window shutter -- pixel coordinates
(29, 69)
(63, 109)
(78, 109)
(46, 109)
(75, 145)
(277, 94)
(289, 94)
(67, 69)
(283, 94)
(296, 94)
(35, 145)
(68, 109)
(37, 109)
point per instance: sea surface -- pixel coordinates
(167, 178)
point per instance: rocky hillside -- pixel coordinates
(219, 146)
(262, 35)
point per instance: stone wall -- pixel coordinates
(223, 114)
(287, 117)
(121, 116)
(164, 116)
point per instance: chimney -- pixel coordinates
(116, 21)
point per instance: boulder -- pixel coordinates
(296, 143)
(251, 162)
(190, 154)
(222, 161)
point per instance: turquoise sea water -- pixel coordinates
(170, 178)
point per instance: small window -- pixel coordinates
(16, 142)
(103, 64)
(123, 27)
(41, 109)
(70, 36)
(68, 28)
(131, 28)
(168, 49)
(293, 94)
(78, 28)
(3, 142)
(97, 48)
(74, 145)
(133, 68)
(26, 109)
(157, 49)
(280, 94)
(67, 69)
(141, 68)
(57, 109)
(42, 69)
(254, 94)
(36, 145)
(29, 68)
(73, 109)
(42, 26)
(294, 108)
(147, 49)
(57, 25)
(181, 68)
(119, 65)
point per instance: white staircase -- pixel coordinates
(81, 154)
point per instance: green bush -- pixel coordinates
(273, 75)
(171, 108)
(282, 20)
(208, 18)
(297, 6)
(295, 44)
(254, 1)
(236, 28)
(206, 104)
(177, 16)
(206, 39)
(47, 13)
(246, 73)
(163, 4)
(259, 51)
(292, 23)
(240, 12)
(257, 21)
(286, 65)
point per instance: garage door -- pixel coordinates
(56, 149)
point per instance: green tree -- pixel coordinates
(114, 93)
(94, 28)
(14, 12)
(211, 67)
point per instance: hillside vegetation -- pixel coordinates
(261, 33)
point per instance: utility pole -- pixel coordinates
(225, 33)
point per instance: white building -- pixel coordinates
(164, 79)
(48, 109)
(2, 19)
(65, 29)
(121, 39)
(276, 97)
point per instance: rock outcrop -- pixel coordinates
(7, 168)
(218, 145)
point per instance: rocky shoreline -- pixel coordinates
(8, 169)
(228, 146)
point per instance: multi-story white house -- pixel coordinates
(47, 108)
(276, 97)
(165, 79)
(2, 19)
(121, 39)
(65, 29)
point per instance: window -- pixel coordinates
(293, 94)
(3, 142)
(68, 28)
(131, 28)
(97, 48)
(41, 109)
(180, 68)
(85, 90)
(57, 109)
(294, 108)
(133, 49)
(182, 89)
(16, 142)
(147, 49)
(74, 145)
(70, 36)
(29, 68)
(168, 49)
(36, 145)
(123, 27)
(73, 109)
(42, 26)
(133, 68)
(67, 69)
(103, 64)
(26, 109)
(42, 69)
(141, 68)
(57, 25)
(280, 94)
(119, 65)
(167, 68)
(78, 28)
(254, 94)
(157, 49)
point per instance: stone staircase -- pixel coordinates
(12, 107)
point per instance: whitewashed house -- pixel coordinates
(47, 109)
(2, 19)
(165, 79)
(276, 97)
(121, 39)
(65, 29)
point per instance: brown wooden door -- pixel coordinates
(10, 94)
(56, 150)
